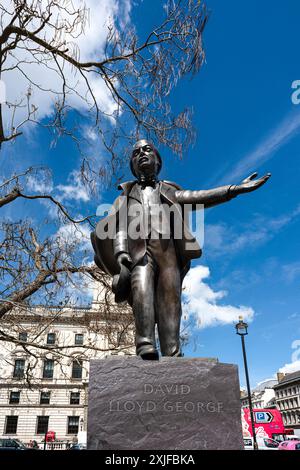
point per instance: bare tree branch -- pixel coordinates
(137, 76)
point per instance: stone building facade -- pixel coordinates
(262, 396)
(44, 367)
(287, 395)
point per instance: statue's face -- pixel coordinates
(144, 159)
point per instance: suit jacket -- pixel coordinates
(116, 225)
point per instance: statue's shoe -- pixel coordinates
(148, 352)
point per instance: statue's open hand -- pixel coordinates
(124, 259)
(250, 183)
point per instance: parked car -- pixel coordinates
(12, 444)
(263, 443)
(292, 437)
(77, 447)
(292, 444)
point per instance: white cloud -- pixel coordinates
(279, 136)
(293, 315)
(39, 185)
(291, 271)
(73, 191)
(90, 133)
(266, 380)
(87, 46)
(69, 234)
(222, 238)
(202, 303)
(290, 367)
(295, 364)
(78, 290)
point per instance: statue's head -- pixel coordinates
(145, 159)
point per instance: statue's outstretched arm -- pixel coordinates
(212, 197)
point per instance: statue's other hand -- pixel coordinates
(124, 259)
(251, 184)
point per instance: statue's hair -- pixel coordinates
(156, 153)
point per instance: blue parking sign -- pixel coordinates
(263, 417)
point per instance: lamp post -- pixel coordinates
(242, 331)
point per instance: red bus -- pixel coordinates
(267, 422)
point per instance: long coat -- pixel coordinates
(106, 249)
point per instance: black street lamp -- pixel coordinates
(242, 331)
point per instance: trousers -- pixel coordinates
(156, 297)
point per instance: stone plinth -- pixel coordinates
(171, 404)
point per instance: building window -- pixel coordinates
(23, 336)
(45, 398)
(42, 424)
(19, 368)
(79, 339)
(51, 338)
(75, 398)
(14, 398)
(73, 424)
(11, 425)
(48, 369)
(77, 369)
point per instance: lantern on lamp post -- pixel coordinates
(242, 330)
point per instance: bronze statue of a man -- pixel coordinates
(143, 254)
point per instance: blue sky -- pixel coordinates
(245, 121)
